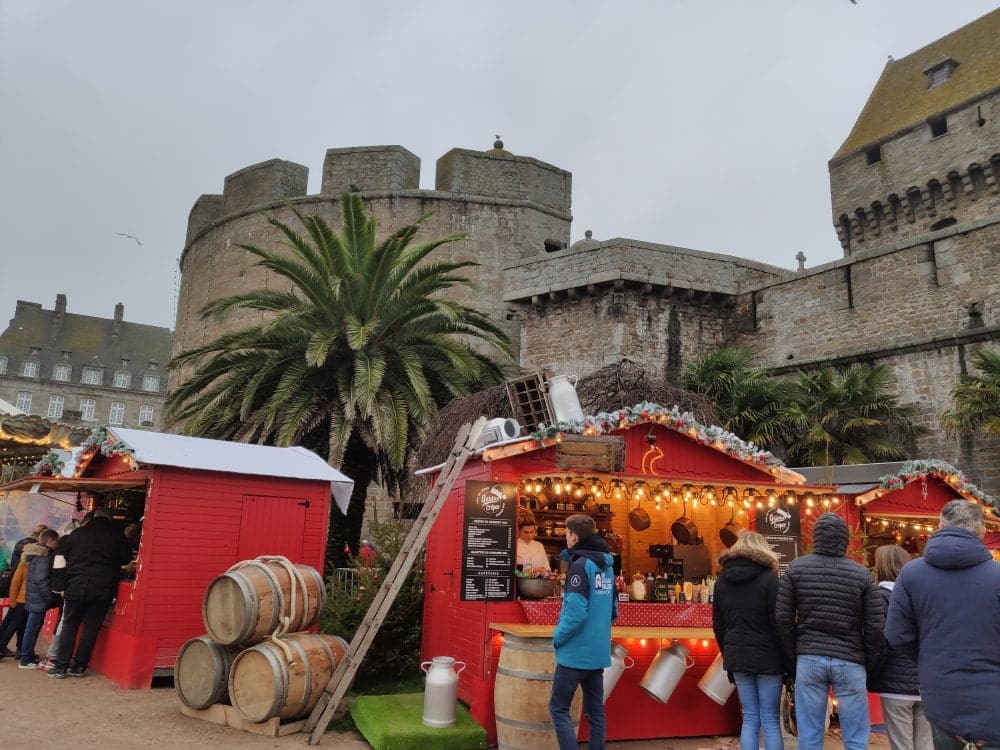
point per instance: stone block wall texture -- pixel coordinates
(500, 174)
(578, 336)
(920, 180)
(896, 299)
(263, 183)
(370, 168)
(206, 209)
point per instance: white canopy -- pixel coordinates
(164, 449)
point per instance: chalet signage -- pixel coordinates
(782, 529)
(586, 453)
(488, 541)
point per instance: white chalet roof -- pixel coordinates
(164, 449)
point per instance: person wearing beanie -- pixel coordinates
(582, 637)
(830, 618)
(945, 612)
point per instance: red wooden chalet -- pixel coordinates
(205, 505)
(674, 460)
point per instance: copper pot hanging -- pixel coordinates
(730, 532)
(683, 529)
(638, 518)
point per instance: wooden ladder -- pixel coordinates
(347, 668)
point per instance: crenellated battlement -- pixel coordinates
(960, 195)
(462, 174)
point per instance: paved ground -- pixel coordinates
(38, 713)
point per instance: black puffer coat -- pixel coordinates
(899, 669)
(827, 604)
(743, 616)
(95, 554)
(39, 594)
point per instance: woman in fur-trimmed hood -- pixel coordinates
(743, 620)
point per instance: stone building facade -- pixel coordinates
(915, 205)
(83, 370)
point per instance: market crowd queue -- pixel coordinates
(78, 572)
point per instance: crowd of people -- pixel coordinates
(924, 634)
(76, 573)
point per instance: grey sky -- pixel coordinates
(701, 124)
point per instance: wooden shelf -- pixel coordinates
(566, 513)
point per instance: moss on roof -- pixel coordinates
(901, 98)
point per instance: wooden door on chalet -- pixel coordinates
(272, 526)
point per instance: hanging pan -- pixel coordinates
(638, 518)
(730, 532)
(683, 529)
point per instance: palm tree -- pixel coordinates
(977, 398)
(750, 401)
(848, 419)
(355, 357)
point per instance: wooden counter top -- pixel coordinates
(625, 631)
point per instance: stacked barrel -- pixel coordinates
(256, 654)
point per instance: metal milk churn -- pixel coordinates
(715, 682)
(565, 403)
(620, 661)
(666, 671)
(441, 690)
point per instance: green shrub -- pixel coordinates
(394, 656)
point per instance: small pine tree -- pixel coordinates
(395, 653)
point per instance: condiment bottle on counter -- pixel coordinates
(678, 593)
(688, 591)
(649, 587)
(711, 589)
(638, 588)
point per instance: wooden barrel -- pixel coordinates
(201, 672)
(263, 684)
(245, 605)
(521, 695)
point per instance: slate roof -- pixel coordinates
(901, 98)
(90, 341)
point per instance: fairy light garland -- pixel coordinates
(913, 470)
(672, 417)
(108, 445)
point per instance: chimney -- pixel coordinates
(116, 326)
(57, 317)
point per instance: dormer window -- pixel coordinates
(62, 373)
(29, 368)
(122, 379)
(939, 72)
(91, 376)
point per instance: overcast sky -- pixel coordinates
(705, 124)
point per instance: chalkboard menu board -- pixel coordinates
(781, 527)
(488, 541)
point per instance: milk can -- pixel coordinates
(715, 682)
(565, 403)
(441, 691)
(666, 671)
(620, 661)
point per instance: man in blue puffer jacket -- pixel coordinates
(945, 607)
(582, 638)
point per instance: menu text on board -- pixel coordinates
(488, 537)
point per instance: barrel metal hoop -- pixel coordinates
(539, 725)
(547, 676)
(280, 675)
(526, 644)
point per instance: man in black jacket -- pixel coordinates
(95, 554)
(830, 617)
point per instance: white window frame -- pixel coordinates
(92, 376)
(123, 378)
(146, 415)
(62, 373)
(24, 401)
(151, 383)
(56, 404)
(116, 415)
(3, 365)
(29, 368)
(87, 408)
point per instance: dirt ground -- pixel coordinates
(37, 713)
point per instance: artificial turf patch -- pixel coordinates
(394, 722)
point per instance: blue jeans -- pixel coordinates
(760, 696)
(814, 676)
(564, 684)
(31, 631)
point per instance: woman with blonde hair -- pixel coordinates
(896, 682)
(744, 624)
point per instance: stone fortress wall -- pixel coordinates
(918, 288)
